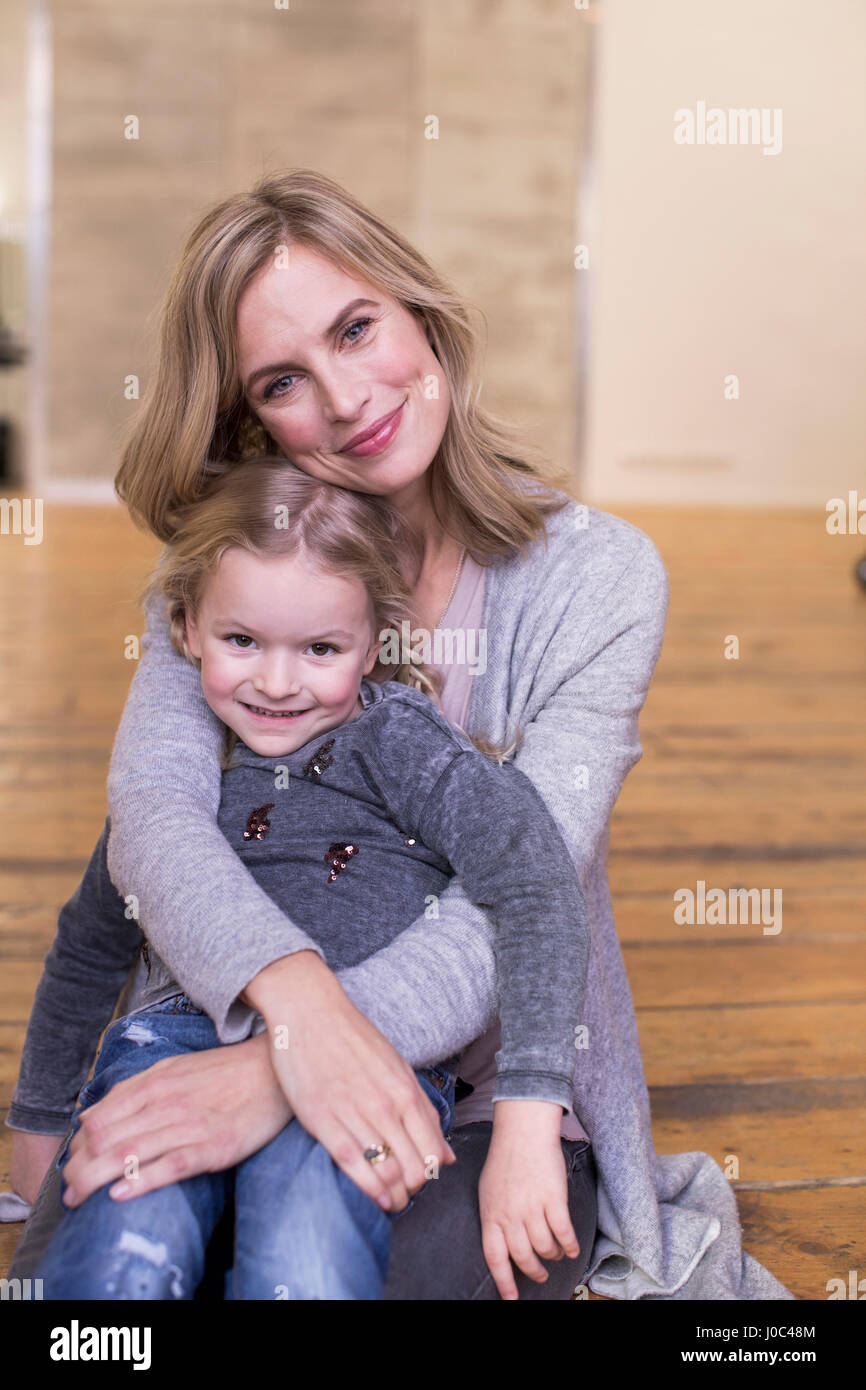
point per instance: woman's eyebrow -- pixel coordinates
(332, 328)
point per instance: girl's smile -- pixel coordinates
(283, 646)
(276, 714)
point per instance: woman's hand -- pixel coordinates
(198, 1113)
(32, 1156)
(523, 1194)
(345, 1082)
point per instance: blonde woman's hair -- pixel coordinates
(267, 506)
(484, 489)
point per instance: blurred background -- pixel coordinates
(679, 318)
(555, 130)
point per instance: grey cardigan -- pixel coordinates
(574, 629)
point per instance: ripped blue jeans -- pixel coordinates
(303, 1230)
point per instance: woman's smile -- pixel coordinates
(369, 442)
(319, 379)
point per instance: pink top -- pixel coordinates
(465, 614)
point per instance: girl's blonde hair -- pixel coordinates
(195, 418)
(267, 506)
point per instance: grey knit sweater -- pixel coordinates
(418, 802)
(574, 629)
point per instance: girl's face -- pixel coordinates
(323, 357)
(283, 648)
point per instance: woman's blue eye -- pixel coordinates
(358, 323)
(271, 390)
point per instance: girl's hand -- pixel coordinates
(32, 1156)
(198, 1113)
(345, 1082)
(523, 1194)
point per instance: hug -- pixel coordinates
(343, 1064)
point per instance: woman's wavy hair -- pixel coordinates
(484, 489)
(268, 506)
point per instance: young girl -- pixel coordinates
(352, 802)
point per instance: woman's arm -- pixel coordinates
(87, 966)
(94, 948)
(196, 899)
(432, 990)
(198, 903)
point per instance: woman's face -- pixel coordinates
(319, 369)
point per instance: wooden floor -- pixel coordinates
(753, 775)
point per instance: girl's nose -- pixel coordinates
(276, 678)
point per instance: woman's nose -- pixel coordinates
(343, 399)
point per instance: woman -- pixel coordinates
(298, 323)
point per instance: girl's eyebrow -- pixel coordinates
(337, 632)
(340, 633)
(350, 308)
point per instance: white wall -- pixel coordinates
(717, 259)
(13, 211)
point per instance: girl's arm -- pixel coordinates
(432, 990)
(577, 747)
(494, 828)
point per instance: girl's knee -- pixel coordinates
(130, 1267)
(141, 1268)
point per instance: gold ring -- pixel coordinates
(377, 1153)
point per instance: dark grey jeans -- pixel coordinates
(436, 1252)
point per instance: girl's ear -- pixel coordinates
(192, 638)
(372, 654)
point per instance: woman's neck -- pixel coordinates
(440, 552)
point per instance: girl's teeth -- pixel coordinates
(276, 714)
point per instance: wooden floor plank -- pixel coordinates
(763, 1043)
(776, 1132)
(752, 777)
(757, 970)
(806, 1238)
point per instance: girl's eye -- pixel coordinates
(329, 647)
(240, 637)
(271, 391)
